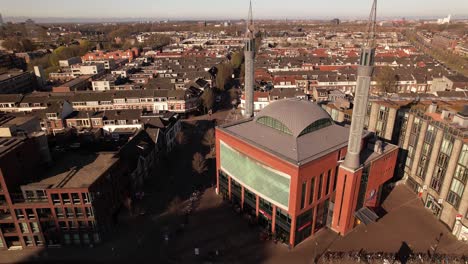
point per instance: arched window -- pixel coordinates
(274, 123)
(321, 123)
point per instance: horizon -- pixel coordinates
(119, 10)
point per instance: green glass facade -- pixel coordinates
(267, 182)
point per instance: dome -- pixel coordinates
(294, 117)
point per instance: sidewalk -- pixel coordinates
(406, 221)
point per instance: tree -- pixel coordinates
(11, 44)
(233, 96)
(180, 138)
(237, 59)
(27, 45)
(386, 80)
(199, 163)
(157, 41)
(223, 76)
(208, 99)
(209, 139)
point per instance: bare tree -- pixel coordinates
(199, 163)
(208, 99)
(180, 138)
(386, 80)
(209, 139)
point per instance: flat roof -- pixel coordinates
(7, 144)
(76, 170)
(9, 75)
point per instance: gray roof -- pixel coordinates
(295, 114)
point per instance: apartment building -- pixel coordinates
(435, 139)
(73, 202)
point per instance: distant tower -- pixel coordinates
(351, 170)
(1, 20)
(249, 54)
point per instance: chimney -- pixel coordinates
(445, 114)
(432, 108)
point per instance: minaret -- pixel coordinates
(249, 54)
(350, 171)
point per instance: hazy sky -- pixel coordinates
(224, 9)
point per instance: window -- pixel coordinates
(55, 198)
(460, 178)
(316, 126)
(28, 241)
(30, 214)
(89, 212)
(24, 228)
(442, 162)
(327, 190)
(303, 194)
(66, 198)
(51, 115)
(274, 123)
(86, 198)
(79, 212)
(336, 177)
(76, 198)
(19, 214)
(59, 212)
(38, 241)
(35, 227)
(69, 212)
(319, 190)
(311, 194)
(73, 225)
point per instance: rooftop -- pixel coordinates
(295, 147)
(77, 170)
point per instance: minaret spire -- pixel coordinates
(365, 71)
(249, 54)
(250, 20)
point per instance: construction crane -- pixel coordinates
(365, 71)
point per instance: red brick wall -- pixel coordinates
(380, 172)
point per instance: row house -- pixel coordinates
(52, 119)
(178, 101)
(128, 55)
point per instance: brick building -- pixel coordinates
(282, 165)
(73, 202)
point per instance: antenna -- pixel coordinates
(371, 26)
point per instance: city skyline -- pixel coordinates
(204, 9)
